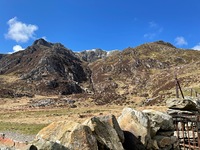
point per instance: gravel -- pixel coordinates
(18, 136)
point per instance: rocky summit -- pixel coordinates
(92, 55)
(45, 68)
(108, 77)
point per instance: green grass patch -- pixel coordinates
(28, 129)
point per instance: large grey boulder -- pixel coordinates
(182, 104)
(42, 144)
(107, 132)
(173, 112)
(136, 123)
(164, 142)
(66, 135)
(159, 121)
(112, 121)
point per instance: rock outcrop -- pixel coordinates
(154, 128)
(181, 104)
(92, 55)
(97, 133)
(137, 123)
(46, 68)
(107, 132)
(66, 135)
(159, 122)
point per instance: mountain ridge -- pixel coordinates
(145, 71)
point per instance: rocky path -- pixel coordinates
(12, 140)
(18, 136)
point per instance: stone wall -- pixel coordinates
(133, 130)
(186, 118)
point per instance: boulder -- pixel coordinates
(181, 104)
(180, 112)
(132, 142)
(165, 133)
(112, 121)
(159, 121)
(66, 135)
(164, 142)
(43, 144)
(136, 123)
(196, 101)
(104, 129)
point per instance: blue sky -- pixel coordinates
(106, 24)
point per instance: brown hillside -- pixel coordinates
(144, 71)
(147, 71)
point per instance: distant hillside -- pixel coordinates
(147, 71)
(144, 71)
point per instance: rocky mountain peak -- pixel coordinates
(41, 41)
(92, 55)
(164, 43)
(146, 70)
(50, 66)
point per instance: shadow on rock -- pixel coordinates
(132, 142)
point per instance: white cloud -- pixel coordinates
(19, 31)
(45, 38)
(180, 41)
(154, 30)
(149, 35)
(152, 24)
(196, 47)
(16, 48)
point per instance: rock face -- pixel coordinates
(154, 128)
(136, 123)
(181, 104)
(107, 132)
(47, 68)
(112, 121)
(92, 55)
(97, 133)
(66, 135)
(159, 122)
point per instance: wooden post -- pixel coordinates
(176, 84)
(178, 87)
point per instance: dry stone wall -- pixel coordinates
(133, 130)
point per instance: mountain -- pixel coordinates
(145, 71)
(108, 77)
(44, 68)
(95, 54)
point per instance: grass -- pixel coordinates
(31, 122)
(29, 129)
(9, 78)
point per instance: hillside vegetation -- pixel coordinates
(145, 71)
